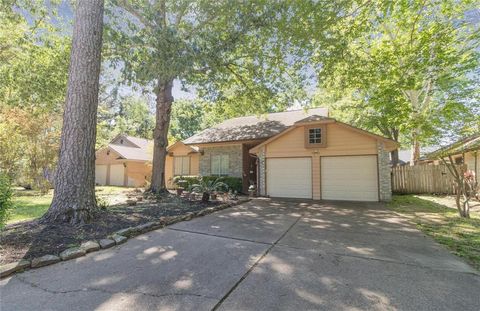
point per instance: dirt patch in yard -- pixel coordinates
(30, 239)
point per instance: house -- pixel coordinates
(465, 151)
(293, 154)
(125, 161)
(404, 155)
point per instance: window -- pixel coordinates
(220, 164)
(315, 136)
(181, 165)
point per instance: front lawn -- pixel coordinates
(441, 221)
(30, 204)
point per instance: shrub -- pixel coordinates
(233, 183)
(6, 203)
(207, 187)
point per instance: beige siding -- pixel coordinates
(340, 141)
(138, 173)
(194, 164)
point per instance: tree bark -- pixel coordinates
(415, 152)
(395, 158)
(394, 154)
(160, 135)
(74, 196)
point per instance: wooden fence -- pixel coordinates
(435, 179)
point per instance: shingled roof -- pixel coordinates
(466, 144)
(131, 153)
(253, 127)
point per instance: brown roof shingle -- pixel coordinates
(253, 127)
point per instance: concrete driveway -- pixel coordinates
(263, 255)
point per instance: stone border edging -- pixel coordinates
(117, 238)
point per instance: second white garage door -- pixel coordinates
(117, 172)
(350, 178)
(289, 177)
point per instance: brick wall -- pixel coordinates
(235, 159)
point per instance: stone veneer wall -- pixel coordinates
(261, 172)
(235, 159)
(384, 173)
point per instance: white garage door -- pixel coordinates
(100, 174)
(350, 178)
(117, 175)
(289, 177)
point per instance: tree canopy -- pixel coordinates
(410, 69)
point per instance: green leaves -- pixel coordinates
(413, 63)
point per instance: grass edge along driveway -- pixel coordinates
(460, 235)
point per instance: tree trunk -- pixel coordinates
(415, 152)
(160, 135)
(74, 196)
(394, 156)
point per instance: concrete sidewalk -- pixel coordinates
(263, 255)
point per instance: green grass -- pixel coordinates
(460, 235)
(30, 204)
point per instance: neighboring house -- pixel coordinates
(294, 154)
(465, 151)
(124, 162)
(404, 155)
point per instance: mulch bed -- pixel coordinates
(30, 239)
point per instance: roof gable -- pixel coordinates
(130, 141)
(391, 144)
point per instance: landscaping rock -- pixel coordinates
(44, 261)
(145, 227)
(119, 239)
(106, 243)
(90, 246)
(6, 270)
(130, 231)
(71, 253)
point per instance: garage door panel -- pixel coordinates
(351, 178)
(117, 175)
(100, 174)
(289, 177)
